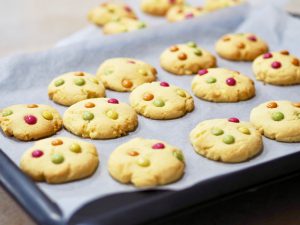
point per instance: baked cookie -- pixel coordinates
(30, 122)
(184, 12)
(278, 68)
(186, 59)
(159, 100)
(212, 5)
(125, 74)
(146, 162)
(107, 12)
(241, 47)
(278, 120)
(159, 7)
(59, 160)
(222, 85)
(229, 141)
(73, 87)
(100, 118)
(123, 25)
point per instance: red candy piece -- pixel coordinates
(127, 8)
(276, 65)
(202, 72)
(172, 1)
(30, 119)
(158, 146)
(164, 84)
(130, 61)
(37, 153)
(252, 38)
(234, 120)
(231, 81)
(189, 16)
(268, 55)
(113, 101)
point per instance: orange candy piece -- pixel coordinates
(127, 83)
(182, 56)
(296, 104)
(148, 97)
(57, 142)
(174, 48)
(32, 106)
(133, 153)
(89, 105)
(272, 105)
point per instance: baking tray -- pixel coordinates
(77, 202)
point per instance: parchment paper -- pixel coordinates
(24, 79)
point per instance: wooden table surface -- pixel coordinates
(31, 25)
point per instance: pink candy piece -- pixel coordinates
(276, 65)
(37, 153)
(202, 72)
(189, 16)
(30, 119)
(158, 146)
(234, 120)
(172, 1)
(252, 38)
(127, 8)
(164, 84)
(113, 101)
(268, 55)
(130, 61)
(231, 81)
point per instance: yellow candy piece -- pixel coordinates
(112, 114)
(47, 115)
(143, 162)
(244, 130)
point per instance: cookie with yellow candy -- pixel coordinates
(159, 7)
(107, 12)
(278, 120)
(222, 85)
(70, 88)
(184, 12)
(186, 59)
(125, 74)
(227, 140)
(277, 68)
(59, 160)
(146, 163)
(241, 47)
(160, 100)
(30, 122)
(100, 118)
(212, 5)
(123, 25)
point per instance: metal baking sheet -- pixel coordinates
(24, 79)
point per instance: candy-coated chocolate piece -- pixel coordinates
(37, 153)
(47, 115)
(143, 162)
(174, 48)
(211, 80)
(76, 148)
(181, 93)
(133, 153)
(284, 52)
(189, 16)
(79, 74)
(112, 114)
(192, 44)
(113, 101)
(202, 72)
(226, 39)
(252, 38)
(141, 25)
(89, 105)
(59, 82)
(267, 55)
(87, 115)
(272, 105)
(231, 81)
(234, 120)
(277, 116)
(217, 131)
(244, 130)
(228, 139)
(94, 80)
(142, 72)
(57, 142)
(296, 104)
(148, 96)
(127, 83)
(79, 81)
(7, 112)
(178, 155)
(164, 84)
(241, 45)
(57, 158)
(296, 62)
(30, 119)
(198, 52)
(276, 65)
(32, 106)
(131, 61)
(182, 56)
(158, 103)
(158, 146)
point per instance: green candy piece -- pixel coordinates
(211, 80)
(228, 139)
(7, 112)
(75, 148)
(59, 82)
(179, 155)
(79, 81)
(217, 131)
(87, 115)
(277, 116)
(57, 158)
(141, 25)
(159, 103)
(191, 44)
(108, 72)
(198, 52)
